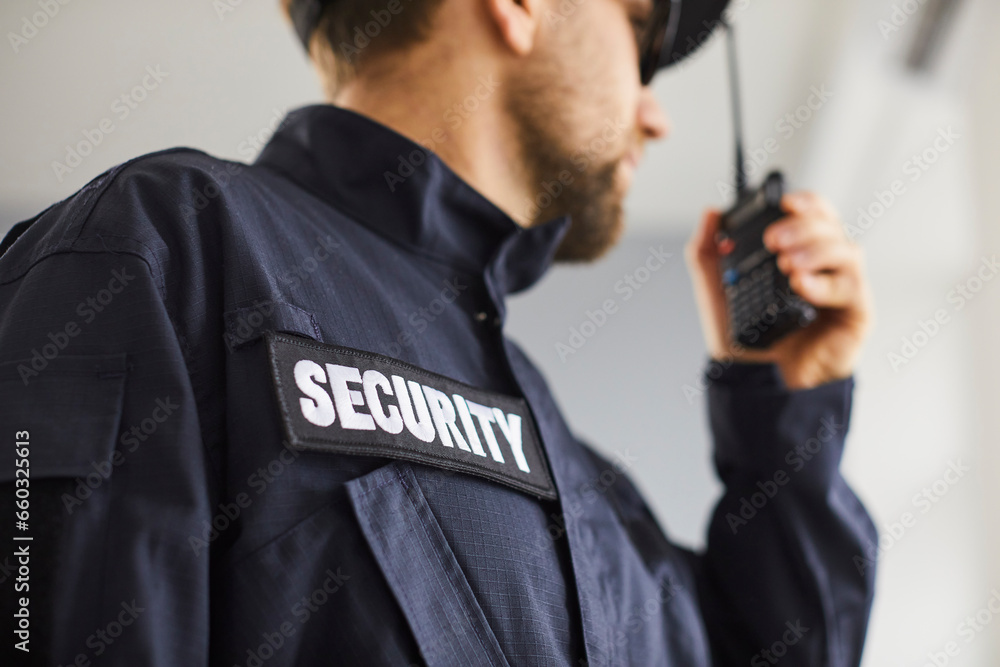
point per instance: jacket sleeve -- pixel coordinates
(788, 574)
(784, 575)
(102, 457)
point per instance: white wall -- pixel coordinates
(984, 101)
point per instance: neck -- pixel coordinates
(460, 118)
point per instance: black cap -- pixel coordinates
(698, 19)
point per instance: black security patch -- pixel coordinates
(337, 399)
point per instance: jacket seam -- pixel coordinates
(83, 214)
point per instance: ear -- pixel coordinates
(517, 22)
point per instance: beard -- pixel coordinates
(565, 179)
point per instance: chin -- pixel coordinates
(592, 239)
(597, 219)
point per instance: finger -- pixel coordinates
(805, 203)
(797, 230)
(826, 290)
(819, 256)
(702, 257)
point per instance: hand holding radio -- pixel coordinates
(823, 268)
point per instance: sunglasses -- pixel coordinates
(658, 39)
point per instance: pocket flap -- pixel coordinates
(68, 410)
(245, 325)
(449, 625)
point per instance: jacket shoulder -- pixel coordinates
(144, 206)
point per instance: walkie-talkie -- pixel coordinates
(762, 307)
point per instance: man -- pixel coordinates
(271, 418)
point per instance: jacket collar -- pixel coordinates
(401, 190)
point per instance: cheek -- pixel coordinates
(617, 50)
(600, 87)
(615, 69)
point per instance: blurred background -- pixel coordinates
(888, 108)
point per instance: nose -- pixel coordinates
(651, 119)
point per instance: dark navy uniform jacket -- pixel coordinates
(272, 419)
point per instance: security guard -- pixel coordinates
(266, 415)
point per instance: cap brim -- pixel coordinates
(698, 20)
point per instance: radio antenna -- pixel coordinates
(734, 93)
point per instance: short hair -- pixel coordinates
(350, 33)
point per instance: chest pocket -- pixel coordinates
(411, 551)
(420, 568)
